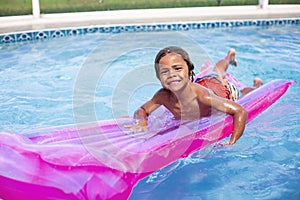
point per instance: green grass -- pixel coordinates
(15, 7)
(23, 7)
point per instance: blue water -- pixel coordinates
(44, 84)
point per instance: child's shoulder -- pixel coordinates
(163, 92)
(197, 86)
(162, 96)
(199, 89)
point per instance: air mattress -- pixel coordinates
(103, 160)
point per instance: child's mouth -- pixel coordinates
(174, 82)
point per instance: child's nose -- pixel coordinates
(172, 73)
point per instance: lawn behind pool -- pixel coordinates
(24, 7)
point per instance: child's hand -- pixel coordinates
(230, 142)
(136, 128)
(140, 125)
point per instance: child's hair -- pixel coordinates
(177, 50)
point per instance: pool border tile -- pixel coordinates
(115, 29)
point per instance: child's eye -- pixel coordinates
(163, 72)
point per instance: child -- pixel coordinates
(187, 100)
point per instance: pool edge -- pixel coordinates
(23, 28)
(142, 16)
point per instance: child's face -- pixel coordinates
(173, 72)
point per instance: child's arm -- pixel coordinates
(141, 114)
(240, 116)
(238, 113)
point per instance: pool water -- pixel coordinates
(42, 85)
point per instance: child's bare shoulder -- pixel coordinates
(202, 93)
(163, 92)
(199, 88)
(162, 95)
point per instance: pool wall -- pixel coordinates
(111, 29)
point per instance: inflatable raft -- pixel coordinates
(102, 160)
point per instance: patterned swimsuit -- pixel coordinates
(228, 90)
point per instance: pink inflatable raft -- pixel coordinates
(102, 160)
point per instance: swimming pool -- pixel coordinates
(38, 80)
